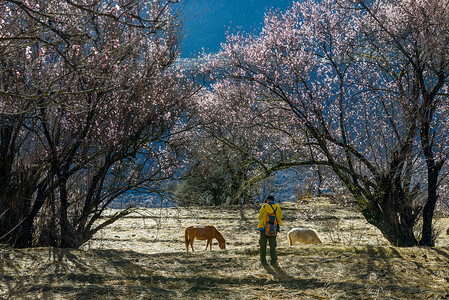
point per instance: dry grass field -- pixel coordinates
(143, 257)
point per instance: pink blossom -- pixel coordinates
(28, 52)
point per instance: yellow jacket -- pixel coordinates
(266, 208)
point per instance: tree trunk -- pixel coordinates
(391, 212)
(433, 170)
(427, 238)
(396, 234)
(16, 223)
(395, 222)
(68, 237)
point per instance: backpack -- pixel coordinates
(271, 223)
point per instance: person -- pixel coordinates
(268, 207)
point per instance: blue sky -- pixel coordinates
(207, 21)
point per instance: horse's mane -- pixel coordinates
(220, 235)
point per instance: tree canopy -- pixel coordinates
(359, 87)
(90, 103)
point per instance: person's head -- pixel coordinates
(269, 199)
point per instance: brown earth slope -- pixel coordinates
(143, 257)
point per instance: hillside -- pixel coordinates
(144, 257)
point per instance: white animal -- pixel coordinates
(303, 235)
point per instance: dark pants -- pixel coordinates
(263, 247)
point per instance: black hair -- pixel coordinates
(270, 198)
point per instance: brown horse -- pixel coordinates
(208, 233)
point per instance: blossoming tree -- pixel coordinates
(359, 87)
(89, 104)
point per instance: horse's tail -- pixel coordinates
(290, 239)
(187, 240)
